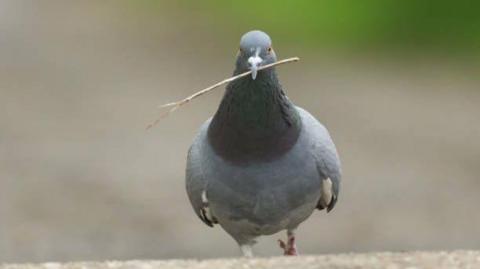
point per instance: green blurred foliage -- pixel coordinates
(406, 24)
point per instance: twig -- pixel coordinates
(176, 105)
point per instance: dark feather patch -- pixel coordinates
(204, 218)
(332, 203)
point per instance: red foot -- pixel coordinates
(289, 249)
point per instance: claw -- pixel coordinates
(289, 248)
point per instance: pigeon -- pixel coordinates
(261, 164)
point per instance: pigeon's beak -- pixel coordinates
(254, 62)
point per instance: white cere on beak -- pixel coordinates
(254, 62)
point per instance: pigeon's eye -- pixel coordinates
(240, 50)
(269, 49)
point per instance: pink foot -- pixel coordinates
(289, 249)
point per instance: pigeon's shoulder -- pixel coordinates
(326, 157)
(196, 182)
(315, 130)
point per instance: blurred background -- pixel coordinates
(396, 83)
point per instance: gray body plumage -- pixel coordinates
(263, 198)
(261, 164)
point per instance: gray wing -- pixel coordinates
(328, 167)
(327, 161)
(196, 183)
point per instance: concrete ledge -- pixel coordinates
(410, 260)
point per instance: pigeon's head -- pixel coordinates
(255, 50)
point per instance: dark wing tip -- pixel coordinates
(204, 218)
(332, 203)
(322, 205)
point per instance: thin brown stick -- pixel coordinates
(176, 105)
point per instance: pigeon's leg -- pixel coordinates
(246, 250)
(289, 248)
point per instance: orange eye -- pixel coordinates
(269, 49)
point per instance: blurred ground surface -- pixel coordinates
(408, 260)
(81, 179)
